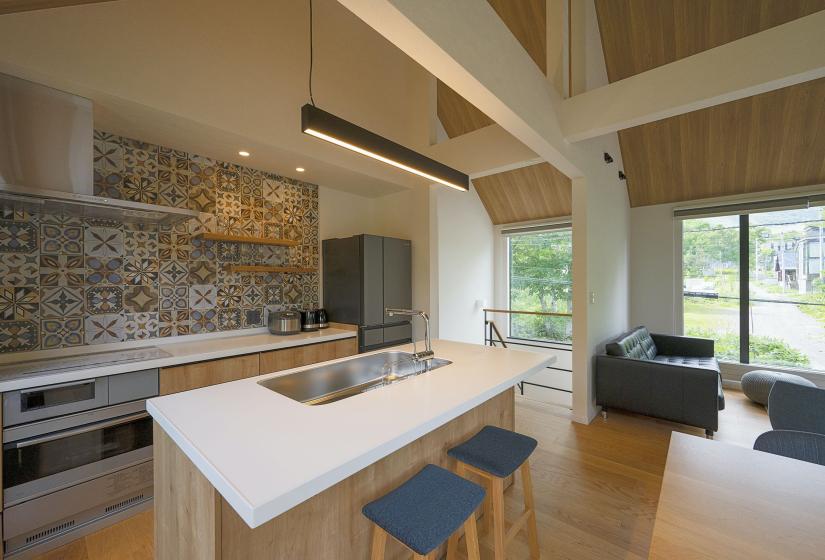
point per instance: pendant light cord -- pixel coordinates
(311, 54)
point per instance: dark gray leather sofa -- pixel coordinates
(671, 377)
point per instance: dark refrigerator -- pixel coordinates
(363, 275)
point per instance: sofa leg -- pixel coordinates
(604, 413)
(709, 434)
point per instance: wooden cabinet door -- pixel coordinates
(202, 374)
(287, 358)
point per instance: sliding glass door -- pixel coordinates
(755, 283)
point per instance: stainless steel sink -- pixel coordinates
(332, 382)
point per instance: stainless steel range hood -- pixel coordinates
(46, 158)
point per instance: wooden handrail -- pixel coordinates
(542, 313)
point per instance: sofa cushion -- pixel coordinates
(637, 344)
(704, 363)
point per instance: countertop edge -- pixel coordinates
(256, 516)
(35, 380)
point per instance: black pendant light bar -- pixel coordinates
(327, 126)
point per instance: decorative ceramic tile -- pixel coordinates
(203, 321)
(230, 295)
(102, 270)
(203, 172)
(140, 326)
(292, 292)
(140, 271)
(229, 204)
(103, 241)
(292, 232)
(203, 250)
(174, 323)
(173, 272)
(61, 301)
(67, 240)
(18, 303)
(202, 272)
(62, 220)
(108, 184)
(272, 229)
(141, 244)
(204, 223)
(17, 336)
(273, 294)
(252, 228)
(140, 299)
(17, 237)
(172, 159)
(61, 333)
(108, 153)
(173, 245)
(140, 158)
(104, 299)
(229, 252)
(203, 296)
(201, 198)
(252, 296)
(229, 319)
(140, 189)
(19, 269)
(174, 298)
(253, 317)
(170, 193)
(228, 178)
(100, 329)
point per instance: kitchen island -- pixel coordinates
(245, 472)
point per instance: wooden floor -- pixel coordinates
(596, 486)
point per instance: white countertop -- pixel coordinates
(266, 453)
(197, 349)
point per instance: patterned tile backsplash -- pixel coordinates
(67, 281)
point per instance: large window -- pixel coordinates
(755, 283)
(539, 275)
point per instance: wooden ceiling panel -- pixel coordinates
(768, 141)
(638, 35)
(527, 21)
(529, 193)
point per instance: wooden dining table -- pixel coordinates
(721, 501)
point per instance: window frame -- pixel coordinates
(501, 285)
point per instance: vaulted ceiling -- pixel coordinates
(768, 141)
(528, 193)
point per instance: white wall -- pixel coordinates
(463, 253)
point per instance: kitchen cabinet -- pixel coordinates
(279, 360)
(202, 374)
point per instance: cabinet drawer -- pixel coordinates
(279, 360)
(203, 374)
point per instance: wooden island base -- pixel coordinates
(193, 521)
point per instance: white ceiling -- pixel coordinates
(213, 77)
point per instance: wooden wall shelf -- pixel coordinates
(247, 239)
(263, 268)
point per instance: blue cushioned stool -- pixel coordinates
(494, 454)
(425, 511)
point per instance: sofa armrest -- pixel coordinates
(671, 345)
(670, 391)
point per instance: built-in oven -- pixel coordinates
(74, 455)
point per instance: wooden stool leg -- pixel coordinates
(379, 543)
(530, 505)
(498, 518)
(452, 546)
(471, 536)
(487, 507)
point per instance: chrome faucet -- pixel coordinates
(427, 354)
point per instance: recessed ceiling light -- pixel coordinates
(243, 153)
(300, 169)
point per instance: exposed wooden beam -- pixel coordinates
(779, 57)
(495, 74)
(13, 6)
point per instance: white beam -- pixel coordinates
(483, 152)
(779, 57)
(480, 59)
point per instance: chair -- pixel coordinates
(424, 512)
(803, 446)
(797, 407)
(494, 454)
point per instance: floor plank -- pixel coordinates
(596, 486)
